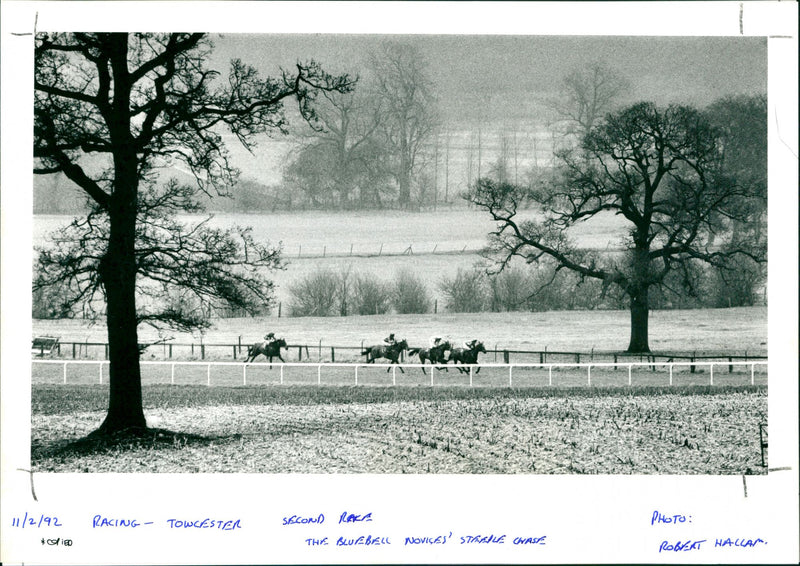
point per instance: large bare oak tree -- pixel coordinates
(658, 168)
(109, 110)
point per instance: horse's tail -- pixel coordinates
(365, 352)
(413, 351)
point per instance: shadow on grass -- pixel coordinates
(97, 443)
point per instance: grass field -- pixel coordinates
(737, 330)
(680, 430)
(434, 237)
(266, 427)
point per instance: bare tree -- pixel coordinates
(330, 162)
(586, 95)
(210, 269)
(661, 170)
(109, 109)
(408, 100)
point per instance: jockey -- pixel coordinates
(389, 340)
(470, 344)
(269, 339)
(434, 341)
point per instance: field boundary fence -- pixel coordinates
(384, 249)
(552, 370)
(326, 353)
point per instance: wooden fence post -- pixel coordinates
(505, 356)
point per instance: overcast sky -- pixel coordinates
(507, 72)
(502, 80)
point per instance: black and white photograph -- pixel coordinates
(366, 254)
(569, 232)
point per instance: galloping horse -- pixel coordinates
(390, 352)
(435, 354)
(467, 356)
(269, 350)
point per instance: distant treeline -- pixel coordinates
(56, 195)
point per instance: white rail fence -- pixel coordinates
(671, 367)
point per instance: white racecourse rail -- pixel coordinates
(510, 367)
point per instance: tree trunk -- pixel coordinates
(118, 272)
(404, 183)
(640, 313)
(118, 267)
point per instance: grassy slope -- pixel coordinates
(419, 429)
(730, 329)
(306, 236)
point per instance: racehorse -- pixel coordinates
(435, 354)
(467, 356)
(390, 352)
(268, 349)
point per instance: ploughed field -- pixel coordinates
(341, 429)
